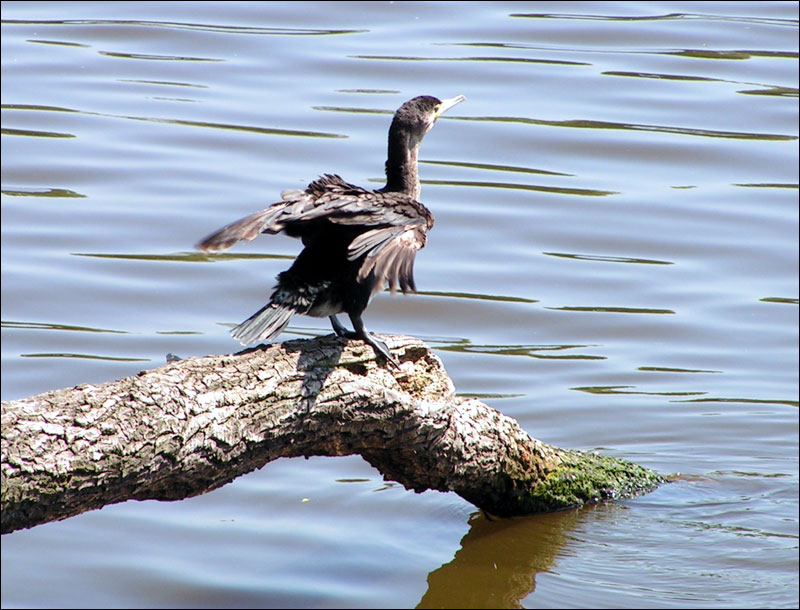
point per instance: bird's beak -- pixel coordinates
(448, 104)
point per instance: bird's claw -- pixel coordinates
(381, 348)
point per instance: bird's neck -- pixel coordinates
(402, 174)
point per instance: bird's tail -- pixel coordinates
(265, 324)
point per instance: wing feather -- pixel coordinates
(389, 255)
(329, 198)
(395, 227)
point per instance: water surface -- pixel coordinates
(614, 264)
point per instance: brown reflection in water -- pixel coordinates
(637, 310)
(497, 563)
(629, 389)
(532, 351)
(56, 193)
(590, 124)
(84, 356)
(497, 168)
(187, 257)
(49, 326)
(30, 133)
(607, 259)
(203, 124)
(177, 25)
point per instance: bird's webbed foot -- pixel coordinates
(380, 348)
(360, 332)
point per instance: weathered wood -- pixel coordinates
(193, 425)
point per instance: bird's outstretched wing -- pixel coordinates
(389, 254)
(394, 226)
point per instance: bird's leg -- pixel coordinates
(340, 330)
(378, 345)
(361, 333)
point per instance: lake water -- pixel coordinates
(614, 264)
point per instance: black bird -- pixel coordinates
(355, 240)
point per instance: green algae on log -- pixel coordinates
(193, 425)
(584, 477)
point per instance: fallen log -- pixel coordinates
(193, 425)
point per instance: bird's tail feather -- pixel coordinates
(264, 325)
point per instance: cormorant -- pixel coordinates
(355, 240)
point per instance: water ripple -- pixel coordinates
(205, 124)
(590, 124)
(608, 259)
(201, 27)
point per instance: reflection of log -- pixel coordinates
(194, 425)
(499, 559)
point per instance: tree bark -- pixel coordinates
(194, 425)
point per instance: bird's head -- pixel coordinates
(417, 115)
